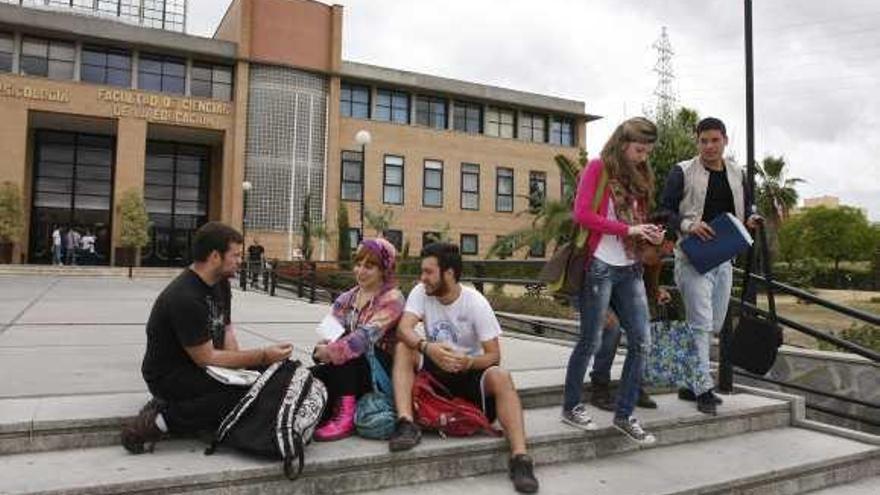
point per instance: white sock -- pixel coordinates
(161, 424)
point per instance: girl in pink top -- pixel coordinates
(613, 271)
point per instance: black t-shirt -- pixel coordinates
(255, 252)
(719, 197)
(187, 313)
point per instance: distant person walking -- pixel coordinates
(57, 248)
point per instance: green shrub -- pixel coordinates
(11, 213)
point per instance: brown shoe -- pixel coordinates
(142, 429)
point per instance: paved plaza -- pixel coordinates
(63, 336)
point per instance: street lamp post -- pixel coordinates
(245, 188)
(363, 138)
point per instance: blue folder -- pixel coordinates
(731, 239)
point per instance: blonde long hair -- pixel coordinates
(635, 180)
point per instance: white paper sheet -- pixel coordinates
(329, 329)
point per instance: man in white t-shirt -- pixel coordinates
(460, 348)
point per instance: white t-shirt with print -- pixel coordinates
(465, 323)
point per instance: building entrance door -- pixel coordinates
(176, 192)
(72, 194)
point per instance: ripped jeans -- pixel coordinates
(623, 287)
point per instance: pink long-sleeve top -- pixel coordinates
(598, 224)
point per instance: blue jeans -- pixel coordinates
(622, 287)
(706, 297)
(604, 358)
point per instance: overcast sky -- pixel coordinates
(816, 67)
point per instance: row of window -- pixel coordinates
(111, 66)
(431, 111)
(352, 187)
(469, 244)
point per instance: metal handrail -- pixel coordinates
(806, 296)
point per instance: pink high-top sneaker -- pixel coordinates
(341, 424)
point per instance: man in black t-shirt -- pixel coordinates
(189, 328)
(697, 191)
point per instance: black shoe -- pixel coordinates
(521, 470)
(600, 396)
(646, 401)
(686, 394)
(706, 403)
(142, 429)
(406, 436)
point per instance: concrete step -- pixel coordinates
(778, 461)
(178, 466)
(88, 271)
(865, 486)
(39, 424)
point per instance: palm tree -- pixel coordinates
(776, 195)
(552, 222)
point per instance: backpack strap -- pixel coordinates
(291, 442)
(381, 382)
(582, 233)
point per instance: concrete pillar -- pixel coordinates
(131, 153)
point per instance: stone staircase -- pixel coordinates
(759, 443)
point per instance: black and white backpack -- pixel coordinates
(277, 417)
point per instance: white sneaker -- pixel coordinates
(578, 418)
(632, 429)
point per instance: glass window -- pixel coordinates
(531, 127)
(470, 244)
(432, 194)
(106, 66)
(211, 81)
(352, 176)
(470, 186)
(537, 190)
(47, 58)
(161, 73)
(433, 183)
(504, 189)
(392, 106)
(7, 49)
(431, 112)
(468, 117)
(354, 238)
(499, 122)
(392, 182)
(395, 237)
(354, 101)
(561, 131)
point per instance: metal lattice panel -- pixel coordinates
(286, 147)
(169, 15)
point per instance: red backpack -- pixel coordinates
(437, 409)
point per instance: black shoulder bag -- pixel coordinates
(757, 337)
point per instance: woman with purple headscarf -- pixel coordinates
(369, 312)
